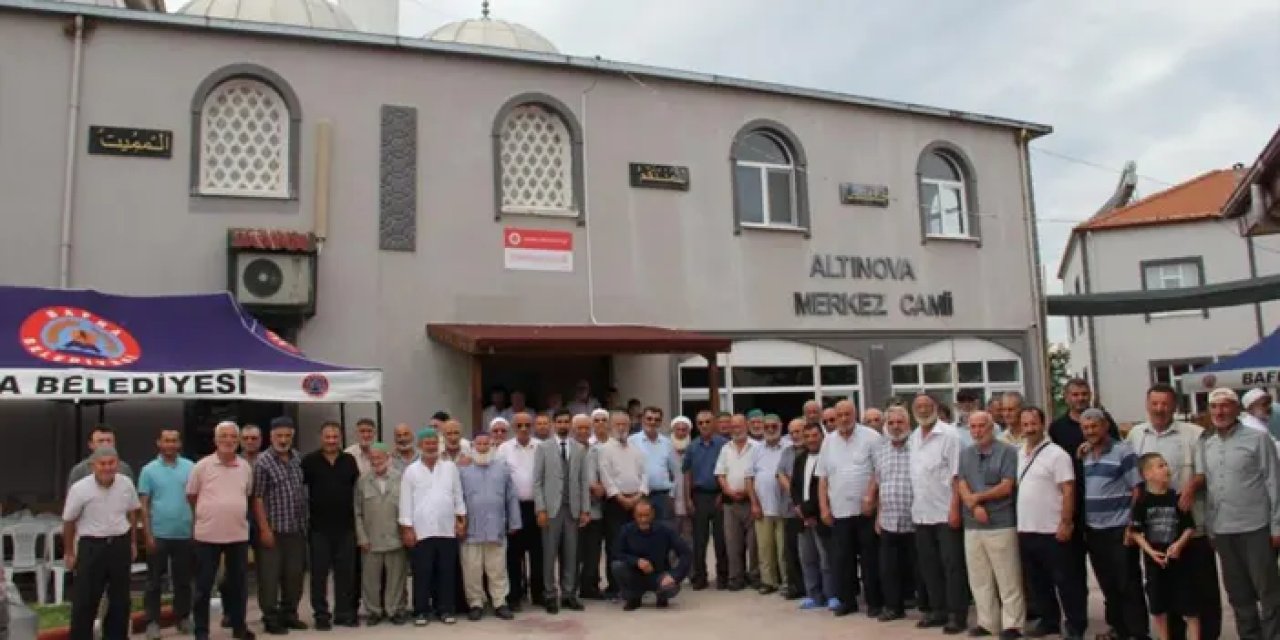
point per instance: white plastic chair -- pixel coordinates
(26, 535)
(56, 566)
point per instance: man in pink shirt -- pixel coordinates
(219, 490)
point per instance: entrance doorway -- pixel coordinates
(539, 377)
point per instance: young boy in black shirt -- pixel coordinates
(1162, 531)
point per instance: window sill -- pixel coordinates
(960, 239)
(232, 195)
(783, 228)
(544, 213)
(1185, 313)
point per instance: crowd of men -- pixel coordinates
(899, 510)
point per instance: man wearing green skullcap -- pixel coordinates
(432, 517)
(755, 425)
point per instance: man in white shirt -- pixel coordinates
(844, 471)
(734, 466)
(582, 400)
(433, 515)
(99, 534)
(935, 512)
(623, 474)
(1045, 510)
(526, 544)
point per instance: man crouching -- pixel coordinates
(643, 563)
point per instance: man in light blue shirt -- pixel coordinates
(659, 464)
(767, 507)
(167, 522)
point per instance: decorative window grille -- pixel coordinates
(537, 162)
(244, 141)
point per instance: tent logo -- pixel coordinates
(69, 335)
(315, 385)
(1209, 380)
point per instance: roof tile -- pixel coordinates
(1199, 198)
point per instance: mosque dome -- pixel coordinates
(317, 14)
(487, 32)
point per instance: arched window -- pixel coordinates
(537, 148)
(947, 193)
(245, 131)
(775, 376)
(944, 368)
(768, 178)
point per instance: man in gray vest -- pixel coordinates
(562, 504)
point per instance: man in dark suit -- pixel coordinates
(562, 502)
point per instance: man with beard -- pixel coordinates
(366, 433)
(626, 482)
(890, 498)
(935, 513)
(542, 425)
(844, 468)
(767, 507)
(406, 452)
(680, 430)
(330, 475)
(702, 498)
(1011, 412)
(1244, 515)
(525, 545)
(499, 432)
(755, 425)
(1179, 444)
(280, 508)
(457, 449)
(433, 515)
(493, 511)
(591, 536)
(561, 502)
(1046, 502)
(378, 535)
(791, 522)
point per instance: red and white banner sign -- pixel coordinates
(537, 249)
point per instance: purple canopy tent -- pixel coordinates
(84, 345)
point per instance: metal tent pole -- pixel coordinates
(379, 405)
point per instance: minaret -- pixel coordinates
(374, 16)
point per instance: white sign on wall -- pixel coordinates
(537, 250)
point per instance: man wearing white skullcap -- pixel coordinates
(1257, 409)
(1244, 515)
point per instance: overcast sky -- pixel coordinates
(1178, 86)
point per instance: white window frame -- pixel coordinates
(286, 155)
(774, 353)
(961, 189)
(763, 169)
(951, 353)
(1161, 278)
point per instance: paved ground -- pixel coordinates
(704, 615)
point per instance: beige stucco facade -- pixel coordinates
(659, 257)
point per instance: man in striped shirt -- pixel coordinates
(891, 490)
(1111, 485)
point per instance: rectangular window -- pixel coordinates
(839, 375)
(1173, 274)
(969, 372)
(780, 198)
(1003, 371)
(772, 377)
(937, 372)
(1189, 404)
(905, 374)
(694, 378)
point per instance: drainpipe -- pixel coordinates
(69, 169)
(586, 218)
(1040, 354)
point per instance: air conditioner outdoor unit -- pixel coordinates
(274, 279)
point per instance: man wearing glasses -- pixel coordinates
(518, 453)
(659, 463)
(702, 499)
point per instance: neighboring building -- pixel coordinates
(1175, 238)
(1255, 203)
(846, 246)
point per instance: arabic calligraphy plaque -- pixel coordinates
(128, 141)
(659, 176)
